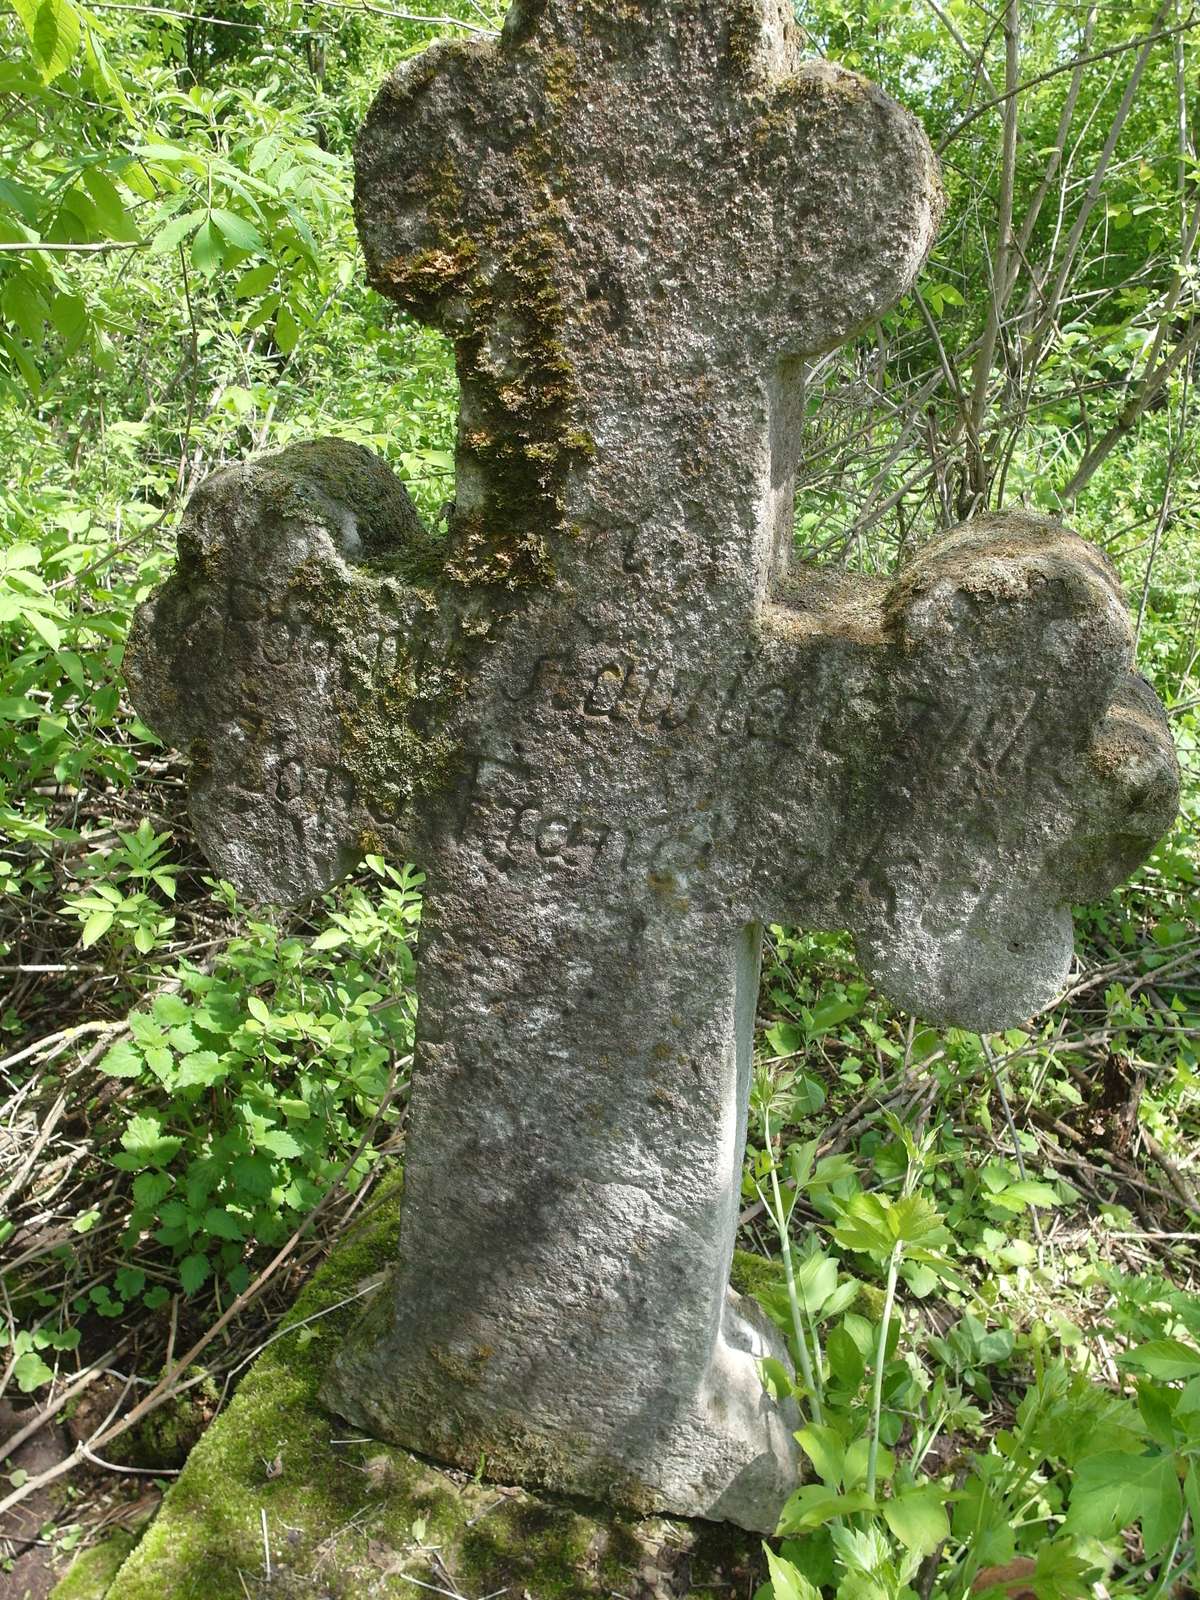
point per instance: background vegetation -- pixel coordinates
(989, 1244)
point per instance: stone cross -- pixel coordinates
(619, 732)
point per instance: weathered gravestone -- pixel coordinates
(618, 732)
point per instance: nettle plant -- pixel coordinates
(245, 1092)
(913, 1490)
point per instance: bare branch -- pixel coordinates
(1069, 66)
(1000, 256)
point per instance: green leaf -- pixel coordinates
(814, 1505)
(54, 34)
(193, 1270)
(807, 1096)
(785, 1038)
(287, 330)
(254, 1176)
(207, 247)
(816, 1280)
(1019, 1196)
(150, 1188)
(845, 1359)
(143, 1137)
(828, 1014)
(161, 1063)
(129, 1281)
(280, 1143)
(173, 233)
(854, 1474)
(222, 1225)
(121, 1060)
(254, 281)
(776, 1378)
(914, 1221)
(824, 1448)
(863, 1226)
(45, 627)
(918, 1518)
(786, 1582)
(920, 1279)
(96, 926)
(110, 208)
(184, 1039)
(239, 230)
(31, 1372)
(1157, 1406)
(171, 1010)
(1112, 1490)
(201, 1067)
(1165, 1359)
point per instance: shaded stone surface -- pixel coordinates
(619, 732)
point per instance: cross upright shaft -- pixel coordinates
(589, 948)
(619, 733)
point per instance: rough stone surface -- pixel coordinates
(348, 1518)
(618, 731)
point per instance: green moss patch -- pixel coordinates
(346, 1517)
(754, 1275)
(93, 1571)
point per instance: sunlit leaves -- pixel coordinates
(918, 1518)
(874, 1224)
(54, 31)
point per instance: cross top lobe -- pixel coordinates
(637, 217)
(702, 188)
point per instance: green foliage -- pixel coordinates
(247, 1086)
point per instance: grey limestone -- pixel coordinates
(620, 729)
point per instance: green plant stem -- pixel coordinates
(889, 1300)
(1166, 1578)
(781, 1226)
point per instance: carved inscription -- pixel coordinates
(507, 812)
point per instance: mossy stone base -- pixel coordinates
(345, 1520)
(93, 1571)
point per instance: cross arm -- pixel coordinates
(984, 757)
(291, 657)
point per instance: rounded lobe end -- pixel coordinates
(1132, 772)
(860, 207)
(248, 658)
(1016, 600)
(999, 967)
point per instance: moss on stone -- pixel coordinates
(561, 75)
(345, 1520)
(395, 742)
(745, 33)
(752, 1275)
(93, 1571)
